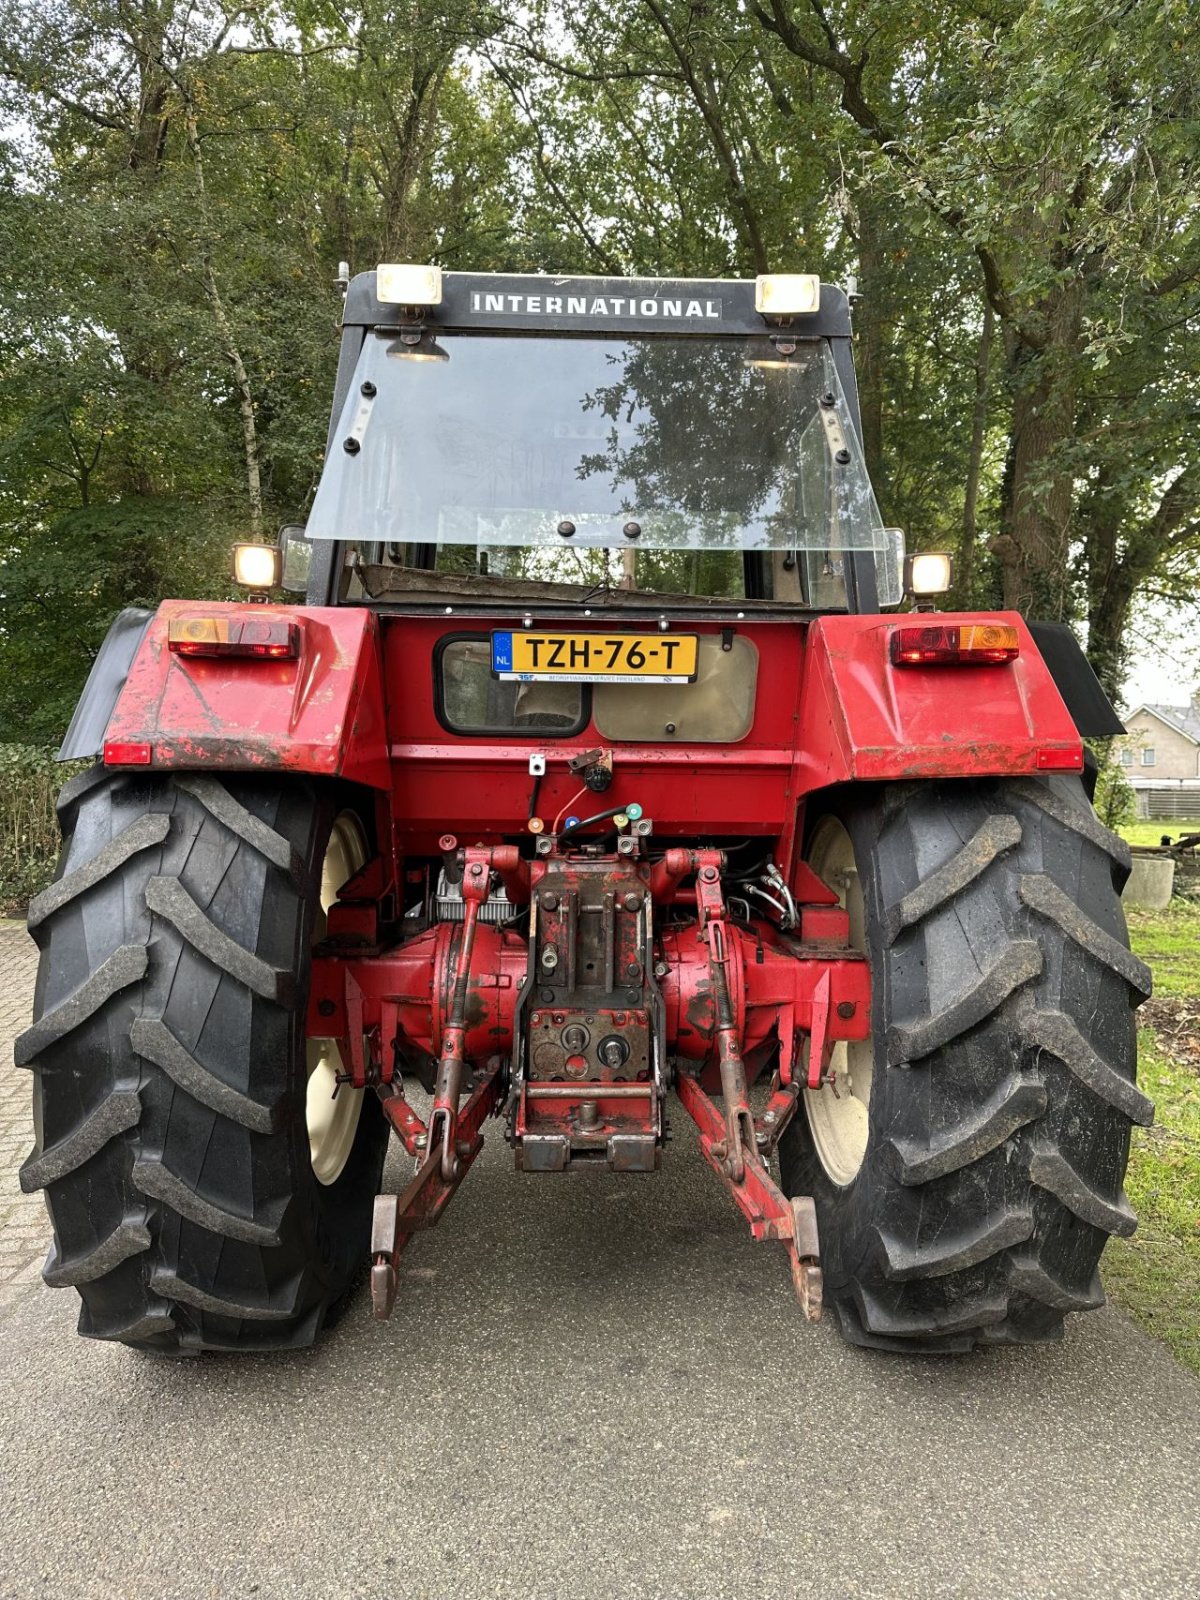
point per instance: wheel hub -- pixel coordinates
(332, 1107)
(838, 1111)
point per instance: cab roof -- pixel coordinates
(563, 303)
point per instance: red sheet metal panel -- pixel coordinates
(478, 785)
(863, 718)
(321, 712)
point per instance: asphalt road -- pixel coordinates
(591, 1387)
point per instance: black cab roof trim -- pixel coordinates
(548, 303)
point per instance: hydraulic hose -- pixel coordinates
(587, 822)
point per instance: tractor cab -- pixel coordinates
(674, 438)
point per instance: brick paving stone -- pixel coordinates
(24, 1225)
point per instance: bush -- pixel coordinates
(1116, 802)
(30, 779)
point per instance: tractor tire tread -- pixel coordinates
(852, 1329)
(1028, 1276)
(1079, 819)
(129, 1238)
(1050, 1170)
(270, 844)
(1003, 1003)
(168, 1063)
(170, 1286)
(156, 1181)
(1016, 966)
(149, 830)
(1043, 895)
(994, 835)
(168, 898)
(126, 966)
(151, 1039)
(1055, 1032)
(76, 789)
(1016, 1102)
(954, 1252)
(150, 1323)
(955, 1317)
(116, 1113)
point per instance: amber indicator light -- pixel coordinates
(973, 644)
(264, 638)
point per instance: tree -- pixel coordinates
(170, 230)
(1049, 138)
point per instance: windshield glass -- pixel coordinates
(490, 440)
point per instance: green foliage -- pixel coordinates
(1170, 941)
(1150, 834)
(1015, 188)
(1156, 1273)
(62, 588)
(1115, 801)
(30, 779)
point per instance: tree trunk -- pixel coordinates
(1032, 546)
(1108, 618)
(1120, 555)
(871, 338)
(1110, 583)
(968, 545)
(228, 340)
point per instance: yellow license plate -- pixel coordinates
(594, 657)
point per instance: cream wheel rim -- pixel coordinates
(838, 1112)
(333, 1117)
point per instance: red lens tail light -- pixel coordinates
(967, 644)
(1060, 758)
(126, 753)
(265, 638)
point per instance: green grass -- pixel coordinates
(1149, 833)
(1169, 942)
(1156, 1274)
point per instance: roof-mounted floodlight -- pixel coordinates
(787, 294)
(405, 285)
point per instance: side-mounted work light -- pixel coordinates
(257, 566)
(927, 572)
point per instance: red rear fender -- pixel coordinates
(319, 712)
(861, 718)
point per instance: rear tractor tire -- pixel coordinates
(206, 1192)
(967, 1161)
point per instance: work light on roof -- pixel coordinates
(787, 294)
(400, 284)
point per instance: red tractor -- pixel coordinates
(591, 776)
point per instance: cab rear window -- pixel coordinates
(471, 700)
(717, 708)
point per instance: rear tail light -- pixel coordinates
(1060, 758)
(267, 638)
(126, 753)
(967, 644)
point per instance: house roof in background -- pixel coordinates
(1183, 719)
